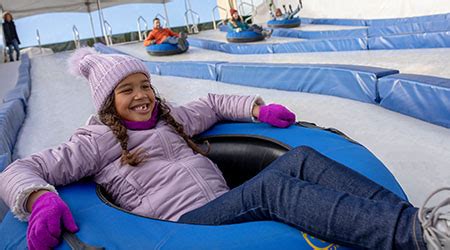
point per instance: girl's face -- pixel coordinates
(235, 15)
(134, 99)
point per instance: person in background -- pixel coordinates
(288, 14)
(11, 37)
(237, 24)
(161, 35)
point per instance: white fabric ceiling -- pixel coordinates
(20, 8)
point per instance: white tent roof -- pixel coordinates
(20, 8)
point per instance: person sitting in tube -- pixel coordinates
(161, 35)
(237, 24)
(288, 14)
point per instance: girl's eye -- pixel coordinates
(127, 91)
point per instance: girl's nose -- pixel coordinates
(139, 94)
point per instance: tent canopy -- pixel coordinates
(20, 8)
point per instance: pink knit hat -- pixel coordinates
(104, 71)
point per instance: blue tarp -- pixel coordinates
(353, 82)
(423, 97)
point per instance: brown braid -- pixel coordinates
(167, 117)
(108, 115)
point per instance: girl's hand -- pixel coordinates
(276, 115)
(49, 216)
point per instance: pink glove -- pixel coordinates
(276, 115)
(48, 217)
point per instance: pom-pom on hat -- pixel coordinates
(104, 71)
(232, 11)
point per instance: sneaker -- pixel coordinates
(183, 35)
(182, 45)
(436, 223)
(267, 33)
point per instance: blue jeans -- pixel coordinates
(321, 197)
(14, 45)
(181, 43)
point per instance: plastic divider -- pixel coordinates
(353, 82)
(411, 41)
(409, 28)
(13, 111)
(424, 97)
(293, 33)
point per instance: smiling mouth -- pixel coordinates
(143, 108)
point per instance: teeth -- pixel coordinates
(142, 107)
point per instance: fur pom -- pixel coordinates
(74, 61)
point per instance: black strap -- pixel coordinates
(306, 124)
(76, 244)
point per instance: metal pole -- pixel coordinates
(192, 14)
(92, 22)
(167, 16)
(102, 25)
(3, 45)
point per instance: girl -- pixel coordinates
(139, 149)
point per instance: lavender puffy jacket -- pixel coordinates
(172, 182)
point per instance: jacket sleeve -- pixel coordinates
(171, 33)
(62, 165)
(231, 25)
(150, 37)
(198, 116)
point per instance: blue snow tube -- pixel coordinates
(240, 150)
(244, 36)
(285, 23)
(165, 49)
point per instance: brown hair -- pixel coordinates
(109, 116)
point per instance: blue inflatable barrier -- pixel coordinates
(334, 21)
(424, 97)
(12, 115)
(353, 82)
(244, 36)
(409, 28)
(411, 41)
(354, 33)
(336, 44)
(416, 19)
(165, 49)
(191, 69)
(376, 22)
(105, 226)
(285, 23)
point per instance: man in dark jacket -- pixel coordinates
(11, 38)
